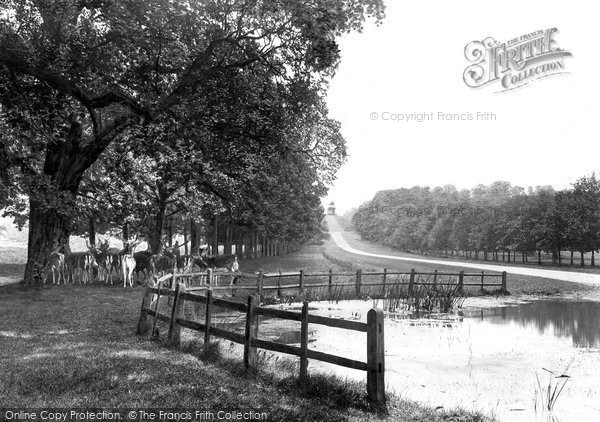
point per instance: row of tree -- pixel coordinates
(138, 116)
(491, 219)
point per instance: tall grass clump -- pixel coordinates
(398, 294)
(442, 297)
(549, 393)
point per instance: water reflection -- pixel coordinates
(575, 319)
(485, 360)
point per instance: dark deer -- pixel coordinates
(79, 264)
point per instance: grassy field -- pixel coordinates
(74, 346)
(12, 264)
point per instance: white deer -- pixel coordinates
(128, 260)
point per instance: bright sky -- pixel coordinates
(544, 134)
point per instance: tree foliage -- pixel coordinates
(156, 80)
(499, 217)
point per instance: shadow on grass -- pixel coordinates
(330, 391)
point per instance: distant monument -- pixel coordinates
(331, 209)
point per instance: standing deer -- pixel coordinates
(128, 260)
(221, 262)
(228, 263)
(55, 266)
(175, 259)
(143, 263)
(79, 264)
(103, 260)
(115, 258)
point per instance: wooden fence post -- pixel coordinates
(503, 290)
(251, 332)
(144, 321)
(358, 281)
(461, 279)
(301, 281)
(435, 276)
(174, 336)
(411, 281)
(304, 341)
(482, 275)
(375, 356)
(156, 312)
(279, 284)
(384, 278)
(172, 286)
(209, 277)
(208, 317)
(259, 287)
(330, 281)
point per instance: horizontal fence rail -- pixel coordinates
(361, 281)
(374, 327)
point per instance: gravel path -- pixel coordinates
(337, 234)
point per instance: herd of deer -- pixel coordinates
(106, 261)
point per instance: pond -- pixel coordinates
(488, 360)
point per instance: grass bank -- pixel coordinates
(74, 346)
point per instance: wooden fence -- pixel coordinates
(413, 279)
(374, 366)
(263, 283)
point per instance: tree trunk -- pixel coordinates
(228, 240)
(92, 236)
(571, 257)
(49, 226)
(243, 246)
(539, 257)
(48, 229)
(193, 236)
(185, 239)
(593, 263)
(92, 230)
(215, 236)
(581, 260)
(155, 235)
(254, 252)
(170, 233)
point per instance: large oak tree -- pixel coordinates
(78, 75)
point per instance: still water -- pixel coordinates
(488, 360)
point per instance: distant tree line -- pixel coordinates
(489, 221)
